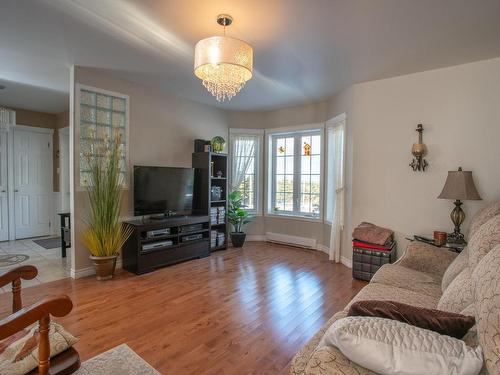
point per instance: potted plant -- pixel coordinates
(105, 234)
(237, 216)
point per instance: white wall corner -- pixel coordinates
(344, 260)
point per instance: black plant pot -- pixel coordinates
(238, 238)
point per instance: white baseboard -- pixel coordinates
(89, 271)
(325, 249)
(256, 237)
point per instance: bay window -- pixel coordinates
(295, 178)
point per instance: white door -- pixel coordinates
(32, 183)
(4, 203)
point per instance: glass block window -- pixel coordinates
(295, 161)
(101, 115)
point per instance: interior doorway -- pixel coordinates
(26, 205)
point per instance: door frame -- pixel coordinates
(10, 176)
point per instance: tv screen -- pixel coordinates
(158, 190)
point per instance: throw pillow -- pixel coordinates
(457, 266)
(445, 323)
(391, 347)
(459, 293)
(19, 352)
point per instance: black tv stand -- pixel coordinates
(156, 243)
(165, 215)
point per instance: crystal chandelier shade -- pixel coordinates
(224, 65)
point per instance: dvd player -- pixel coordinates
(157, 233)
(155, 245)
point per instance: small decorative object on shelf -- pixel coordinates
(219, 174)
(307, 149)
(218, 144)
(440, 238)
(419, 150)
(459, 186)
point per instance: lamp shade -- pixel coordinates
(459, 185)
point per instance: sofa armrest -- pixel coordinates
(425, 257)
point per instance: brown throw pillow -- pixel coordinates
(445, 323)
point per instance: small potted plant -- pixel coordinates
(105, 234)
(237, 217)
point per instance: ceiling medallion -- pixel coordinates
(223, 64)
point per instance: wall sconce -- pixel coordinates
(419, 150)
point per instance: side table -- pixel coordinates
(457, 247)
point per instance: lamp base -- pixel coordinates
(457, 217)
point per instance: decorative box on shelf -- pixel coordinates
(367, 258)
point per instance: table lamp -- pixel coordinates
(459, 186)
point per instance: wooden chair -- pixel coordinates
(64, 363)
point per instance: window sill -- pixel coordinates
(294, 217)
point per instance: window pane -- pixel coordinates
(280, 146)
(249, 200)
(280, 202)
(289, 146)
(305, 203)
(315, 204)
(288, 202)
(306, 145)
(305, 183)
(87, 97)
(103, 101)
(119, 119)
(315, 184)
(280, 165)
(288, 164)
(249, 182)
(289, 183)
(87, 114)
(316, 145)
(104, 117)
(119, 104)
(305, 164)
(280, 183)
(315, 164)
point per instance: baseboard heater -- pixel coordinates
(285, 239)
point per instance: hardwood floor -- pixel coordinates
(236, 312)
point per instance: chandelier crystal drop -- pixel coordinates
(223, 64)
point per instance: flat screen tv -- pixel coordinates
(163, 190)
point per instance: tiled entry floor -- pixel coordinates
(51, 266)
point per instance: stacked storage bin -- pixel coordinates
(367, 258)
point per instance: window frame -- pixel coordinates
(297, 133)
(258, 134)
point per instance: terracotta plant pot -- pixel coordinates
(238, 238)
(104, 266)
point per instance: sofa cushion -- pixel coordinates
(486, 283)
(19, 353)
(459, 293)
(407, 278)
(442, 322)
(302, 358)
(384, 292)
(390, 347)
(457, 266)
(328, 360)
(483, 215)
(485, 239)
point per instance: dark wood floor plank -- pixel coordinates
(240, 311)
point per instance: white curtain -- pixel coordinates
(243, 148)
(336, 186)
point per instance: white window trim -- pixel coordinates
(332, 123)
(78, 89)
(269, 133)
(259, 160)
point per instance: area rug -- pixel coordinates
(49, 243)
(11, 259)
(120, 360)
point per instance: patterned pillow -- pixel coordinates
(19, 352)
(485, 239)
(457, 266)
(459, 293)
(390, 347)
(486, 283)
(483, 215)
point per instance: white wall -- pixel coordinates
(459, 108)
(162, 130)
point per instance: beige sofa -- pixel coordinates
(431, 277)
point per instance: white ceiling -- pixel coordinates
(304, 50)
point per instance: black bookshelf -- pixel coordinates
(207, 165)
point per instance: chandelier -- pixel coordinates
(223, 64)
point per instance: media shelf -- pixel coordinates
(187, 238)
(207, 165)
